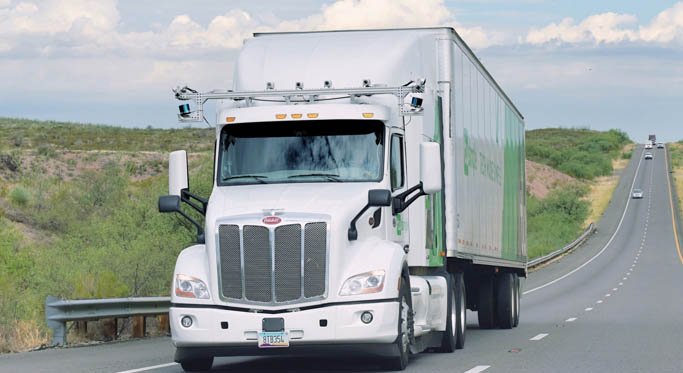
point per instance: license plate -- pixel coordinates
(273, 339)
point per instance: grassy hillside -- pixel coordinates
(583, 154)
(78, 216)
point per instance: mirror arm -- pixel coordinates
(400, 203)
(186, 197)
(353, 233)
(200, 230)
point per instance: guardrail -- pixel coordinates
(59, 311)
(554, 254)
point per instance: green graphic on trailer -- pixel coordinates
(511, 185)
(434, 206)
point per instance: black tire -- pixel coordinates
(518, 295)
(197, 365)
(461, 310)
(505, 300)
(449, 338)
(402, 349)
(485, 302)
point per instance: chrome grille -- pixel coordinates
(283, 264)
(257, 264)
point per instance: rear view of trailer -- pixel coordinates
(484, 176)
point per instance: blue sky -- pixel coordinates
(598, 64)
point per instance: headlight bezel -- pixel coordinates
(191, 287)
(361, 283)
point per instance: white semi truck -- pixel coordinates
(368, 188)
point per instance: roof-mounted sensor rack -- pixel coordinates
(298, 95)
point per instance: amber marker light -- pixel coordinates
(280, 116)
(368, 115)
(229, 119)
(297, 116)
(312, 115)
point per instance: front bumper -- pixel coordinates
(306, 333)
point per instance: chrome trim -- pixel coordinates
(287, 218)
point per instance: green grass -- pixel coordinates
(581, 153)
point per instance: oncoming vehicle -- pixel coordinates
(648, 145)
(369, 187)
(637, 193)
(648, 155)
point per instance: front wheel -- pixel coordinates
(197, 365)
(402, 344)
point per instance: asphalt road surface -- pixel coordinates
(613, 305)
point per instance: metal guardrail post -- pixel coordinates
(59, 311)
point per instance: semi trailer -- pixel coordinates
(369, 187)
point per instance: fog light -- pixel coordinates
(366, 317)
(186, 321)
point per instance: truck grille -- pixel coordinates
(287, 263)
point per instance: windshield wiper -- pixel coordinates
(330, 177)
(257, 177)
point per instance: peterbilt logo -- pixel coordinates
(271, 220)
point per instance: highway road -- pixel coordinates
(613, 305)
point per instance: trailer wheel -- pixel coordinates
(485, 302)
(505, 302)
(449, 340)
(405, 320)
(197, 365)
(518, 295)
(461, 310)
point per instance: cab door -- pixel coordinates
(398, 224)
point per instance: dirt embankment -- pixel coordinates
(541, 179)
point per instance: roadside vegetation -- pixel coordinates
(78, 217)
(676, 152)
(590, 157)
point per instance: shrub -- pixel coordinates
(19, 196)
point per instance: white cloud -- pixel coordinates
(599, 28)
(665, 27)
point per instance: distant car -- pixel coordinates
(637, 193)
(660, 145)
(648, 146)
(648, 155)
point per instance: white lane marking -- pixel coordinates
(615, 289)
(589, 309)
(598, 302)
(539, 337)
(149, 368)
(478, 368)
(625, 278)
(571, 319)
(608, 295)
(621, 283)
(628, 201)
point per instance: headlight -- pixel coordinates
(364, 283)
(191, 287)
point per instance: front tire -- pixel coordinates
(461, 309)
(399, 361)
(197, 365)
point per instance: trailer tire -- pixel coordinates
(518, 295)
(505, 300)
(485, 302)
(461, 310)
(197, 365)
(449, 339)
(405, 319)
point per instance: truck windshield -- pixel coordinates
(301, 151)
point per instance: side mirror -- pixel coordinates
(376, 198)
(169, 204)
(379, 198)
(177, 173)
(430, 167)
